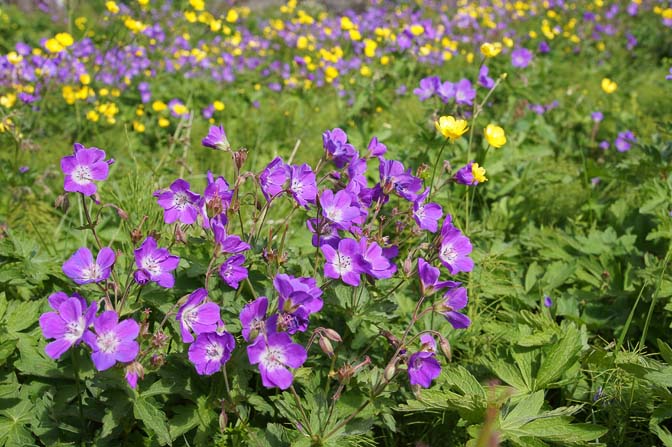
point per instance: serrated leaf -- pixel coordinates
(560, 357)
(153, 418)
(533, 273)
(524, 411)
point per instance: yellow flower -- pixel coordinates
(163, 122)
(609, 86)
(59, 42)
(198, 5)
(85, 79)
(138, 127)
(93, 116)
(8, 100)
(232, 16)
(491, 49)
(14, 58)
(218, 105)
(495, 136)
(112, 7)
(479, 173)
(365, 71)
(159, 106)
(450, 127)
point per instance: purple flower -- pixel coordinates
(669, 76)
(377, 261)
(337, 208)
(228, 243)
(302, 184)
(82, 269)
(464, 92)
(378, 149)
(337, 148)
(521, 57)
(428, 87)
(465, 175)
(68, 324)
(211, 351)
(624, 141)
(454, 249)
(23, 169)
(345, 261)
(427, 215)
(253, 318)
(82, 168)
(597, 116)
(394, 178)
(544, 47)
(429, 278)
(232, 271)
(454, 300)
(294, 292)
(275, 354)
(197, 316)
(216, 139)
(548, 302)
(323, 232)
(113, 341)
(483, 79)
(604, 145)
(179, 203)
(155, 264)
(446, 91)
(273, 178)
(423, 366)
(216, 198)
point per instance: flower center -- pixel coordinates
(343, 264)
(108, 342)
(297, 186)
(334, 214)
(92, 272)
(273, 358)
(151, 265)
(214, 352)
(420, 213)
(190, 315)
(448, 253)
(180, 200)
(82, 175)
(74, 330)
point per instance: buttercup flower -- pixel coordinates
(608, 86)
(491, 49)
(68, 324)
(83, 168)
(82, 269)
(471, 175)
(155, 264)
(495, 136)
(275, 354)
(113, 341)
(451, 128)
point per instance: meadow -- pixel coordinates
(423, 223)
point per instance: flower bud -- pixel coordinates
(239, 157)
(326, 346)
(121, 213)
(223, 420)
(180, 235)
(331, 334)
(445, 349)
(407, 266)
(390, 369)
(157, 360)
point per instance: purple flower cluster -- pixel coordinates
(462, 91)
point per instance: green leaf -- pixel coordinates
(559, 429)
(153, 418)
(560, 357)
(665, 351)
(525, 411)
(533, 273)
(22, 315)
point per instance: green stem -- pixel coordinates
(436, 164)
(75, 365)
(654, 298)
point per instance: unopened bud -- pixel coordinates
(326, 346)
(62, 202)
(136, 235)
(407, 267)
(445, 349)
(121, 213)
(180, 235)
(331, 334)
(394, 341)
(223, 420)
(157, 360)
(390, 369)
